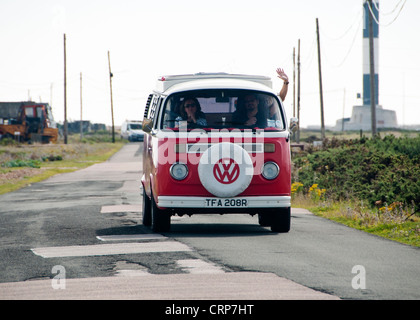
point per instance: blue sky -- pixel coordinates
(148, 39)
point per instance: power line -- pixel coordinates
(376, 19)
(358, 17)
(358, 20)
(307, 62)
(40, 85)
(349, 50)
(351, 46)
(388, 13)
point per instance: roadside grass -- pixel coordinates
(22, 165)
(392, 222)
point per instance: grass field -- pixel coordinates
(23, 164)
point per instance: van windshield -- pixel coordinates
(222, 108)
(134, 126)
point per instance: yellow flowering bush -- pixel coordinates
(316, 193)
(297, 187)
(390, 208)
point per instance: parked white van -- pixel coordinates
(132, 130)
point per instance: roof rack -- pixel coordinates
(165, 82)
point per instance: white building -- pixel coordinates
(361, 119)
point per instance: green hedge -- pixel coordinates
(386, 170)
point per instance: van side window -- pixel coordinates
(147, 107)
(151, 110)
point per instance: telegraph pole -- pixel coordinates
(344, 105)
(294, 83)
(81, 109)
(372, 69)
(320, 83)
(112, 107)
(65, 92)
(298, 94)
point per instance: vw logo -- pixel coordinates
(226, 171)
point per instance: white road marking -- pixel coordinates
(197, 266)
(110, 249)
(225, 286)
(132, 237)
(131, 273)
(125, 269)
(121, 208)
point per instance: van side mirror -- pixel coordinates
(147, 125)
(293, 124)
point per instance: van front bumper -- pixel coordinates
(226, 203)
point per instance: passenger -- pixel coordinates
(190, 111)
(250, 112)
(272, 108)
(282, 75)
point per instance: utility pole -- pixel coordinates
(294, 83)
(298, 95)
(65, 92)
(372, 70)
(51, 94)
(344, 105)
(320, 83)
(112, 107)
(81, 109)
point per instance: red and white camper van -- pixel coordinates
(216, 143)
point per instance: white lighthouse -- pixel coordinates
(367, 90)
(362, 115)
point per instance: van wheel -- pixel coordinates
(264, 219)
(161, 219)
(280, 220)
(147, 215)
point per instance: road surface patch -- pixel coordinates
(132, 237)
(198, 266)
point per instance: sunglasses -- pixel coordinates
(190, 105)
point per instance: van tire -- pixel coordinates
(146, 212)
(161, 219)
(264, 219)
(280, 220)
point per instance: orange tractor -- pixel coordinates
(27, 121)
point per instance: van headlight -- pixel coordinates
(179, 171)
(270, 170)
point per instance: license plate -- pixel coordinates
(226, 203)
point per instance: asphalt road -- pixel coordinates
(79, 236)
